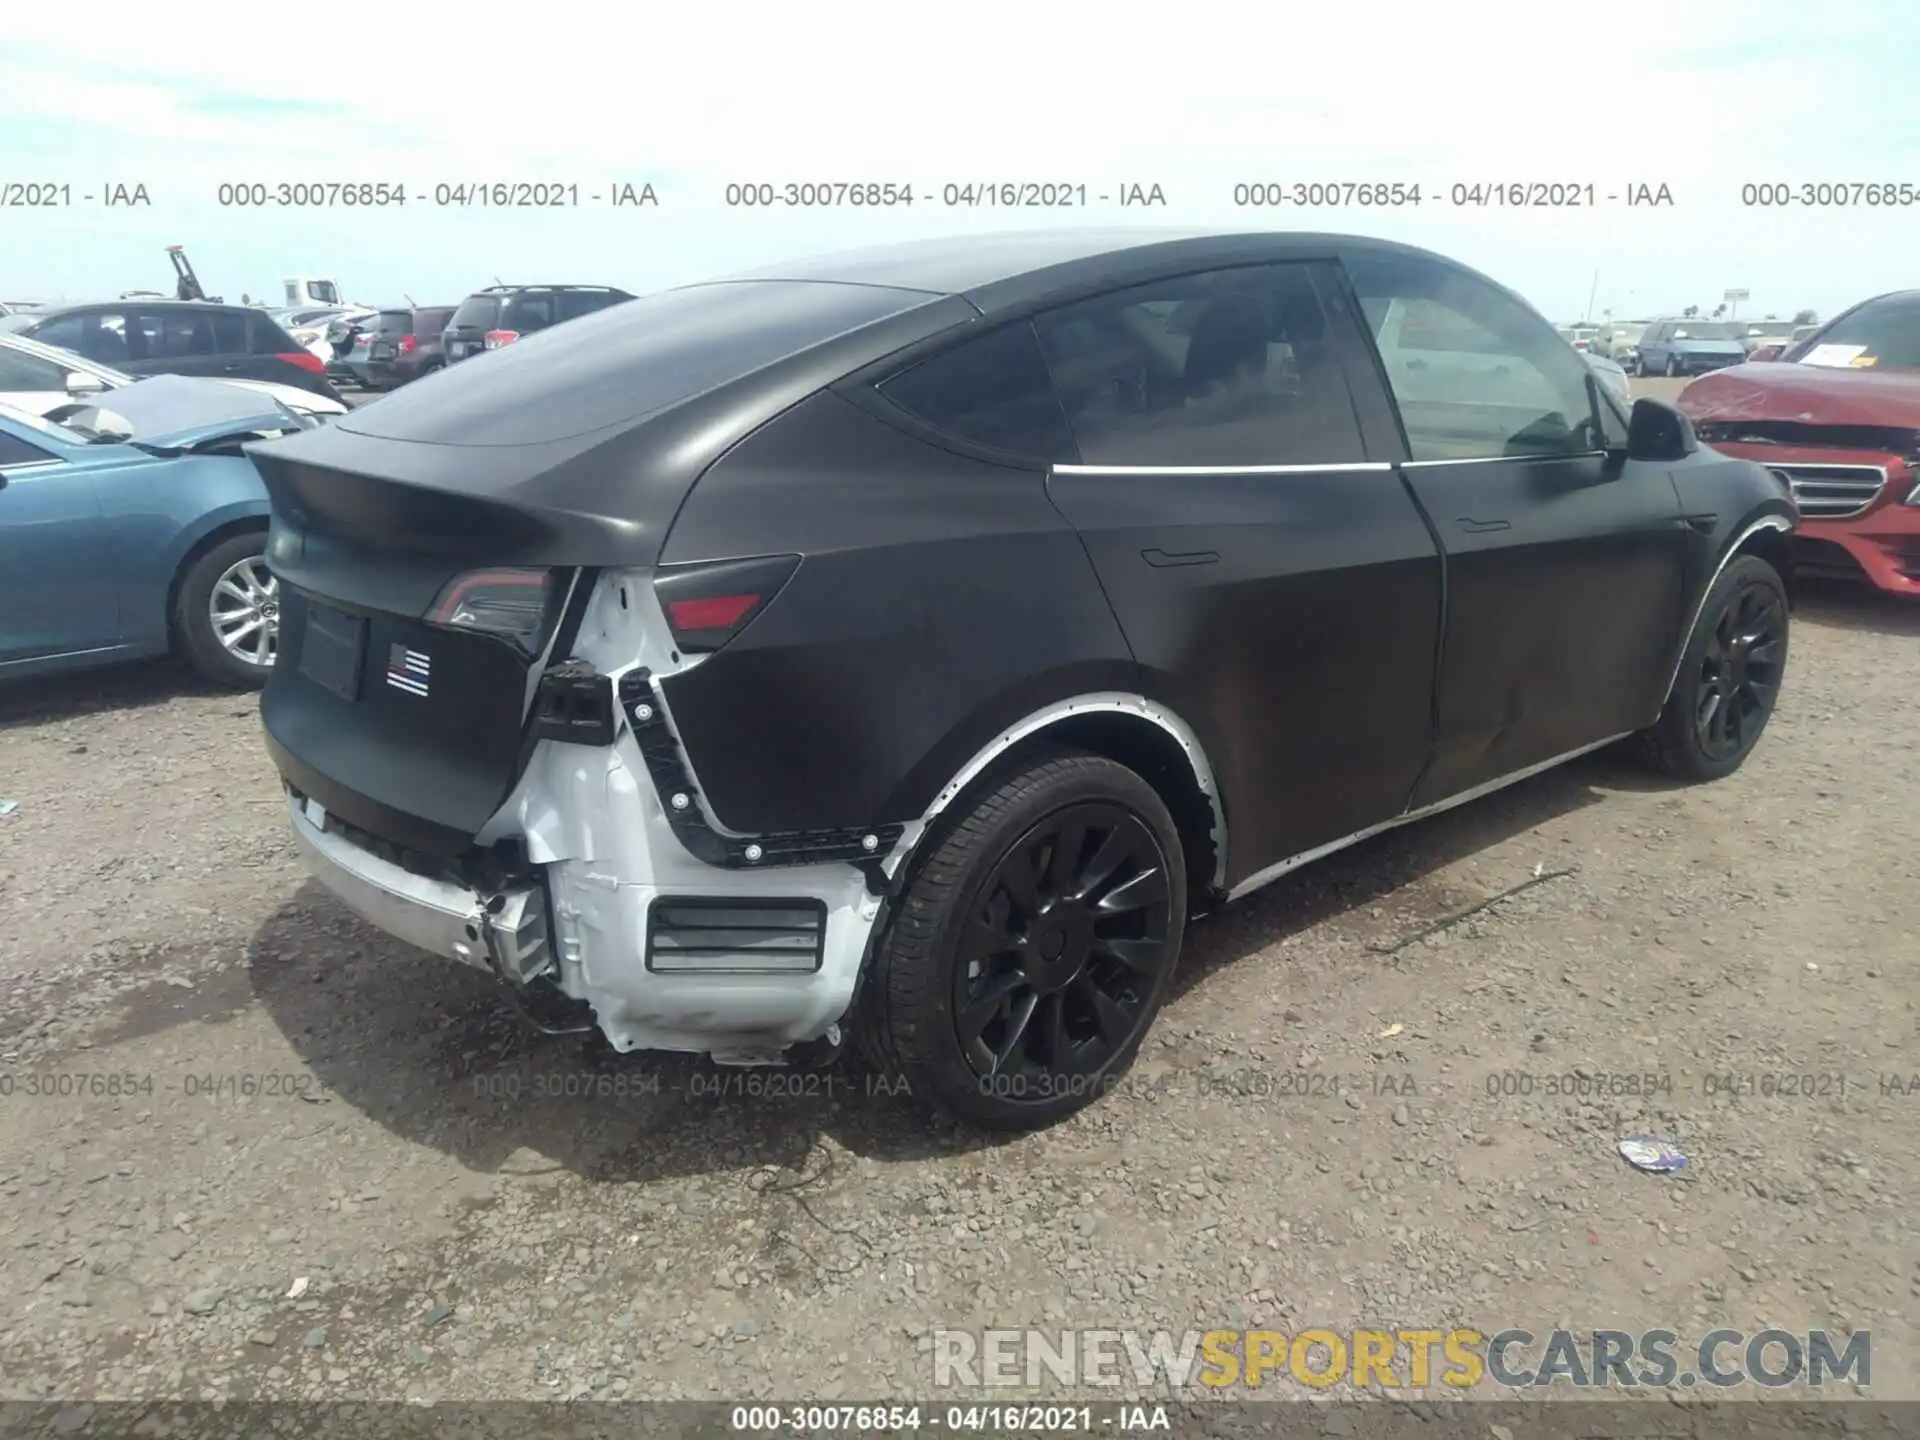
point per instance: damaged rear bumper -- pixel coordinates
(506, 932)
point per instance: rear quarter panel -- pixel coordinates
(940, 599)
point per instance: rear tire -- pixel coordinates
(1729, 677)
(227, 567)
(1673, 367)
(1033, 947)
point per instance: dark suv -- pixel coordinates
(501, 314)
(902, 645)
(183, 337)
(401, 345)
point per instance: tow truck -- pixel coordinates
(301, 292)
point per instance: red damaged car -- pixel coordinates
(1838, 418)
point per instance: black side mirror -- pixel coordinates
(1658, 431)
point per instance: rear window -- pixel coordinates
(995, 391)
(617, 367)
(572, 304)
(482, 312)
(1880, 335)
(529, 311)
(395, 322)
(431, 321)
(268, 338)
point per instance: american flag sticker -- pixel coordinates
(408, 670)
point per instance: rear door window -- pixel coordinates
(1226, 369)
(993, 390)
(190, 335)
(527, 312)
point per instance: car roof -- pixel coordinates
(507, 289)
(192, 307)
(1006, 271)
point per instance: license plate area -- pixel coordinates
(333, 648)
(382, 352)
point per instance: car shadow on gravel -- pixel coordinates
(132, 686)
(1396, 872)
(431, 1051)
(1842, 606)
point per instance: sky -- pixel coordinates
(1702, 97)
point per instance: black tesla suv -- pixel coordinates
(902, 646)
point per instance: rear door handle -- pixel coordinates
(1163, 558)
(1483, 527)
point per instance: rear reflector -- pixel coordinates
(722, 612)
(494, 339)
(306, 360)
(740, 935)
(512, 604)
(707, 605)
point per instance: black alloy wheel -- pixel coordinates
(1033, 947)
(1739, 675)
(1729, 678)
(1064, 952)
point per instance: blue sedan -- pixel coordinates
(137, 527)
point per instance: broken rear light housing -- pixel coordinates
(511, 604)
(708, 604)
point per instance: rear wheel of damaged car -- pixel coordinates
(227, 612)
(1033, 946)
(1729, 677)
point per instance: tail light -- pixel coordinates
(494, 339)
(406, 343)
(306, 360)
(708, 604)
(512, 605)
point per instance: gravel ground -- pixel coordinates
(338, 1168)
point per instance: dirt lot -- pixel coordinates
(305, 1106)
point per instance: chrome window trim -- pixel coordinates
(1337, 468)
(1502, 460)
(31, 465)
(1307, 857)
(1765, 522)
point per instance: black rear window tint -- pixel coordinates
(480, 311)
(396, 322)
(572, 304)
(624, 363)
(268, 338)
(528, 312)
(994, 390)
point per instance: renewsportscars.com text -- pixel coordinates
(1455, 1357)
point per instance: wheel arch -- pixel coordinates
(1146, 737)
(222, 526)
(1769, 536)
